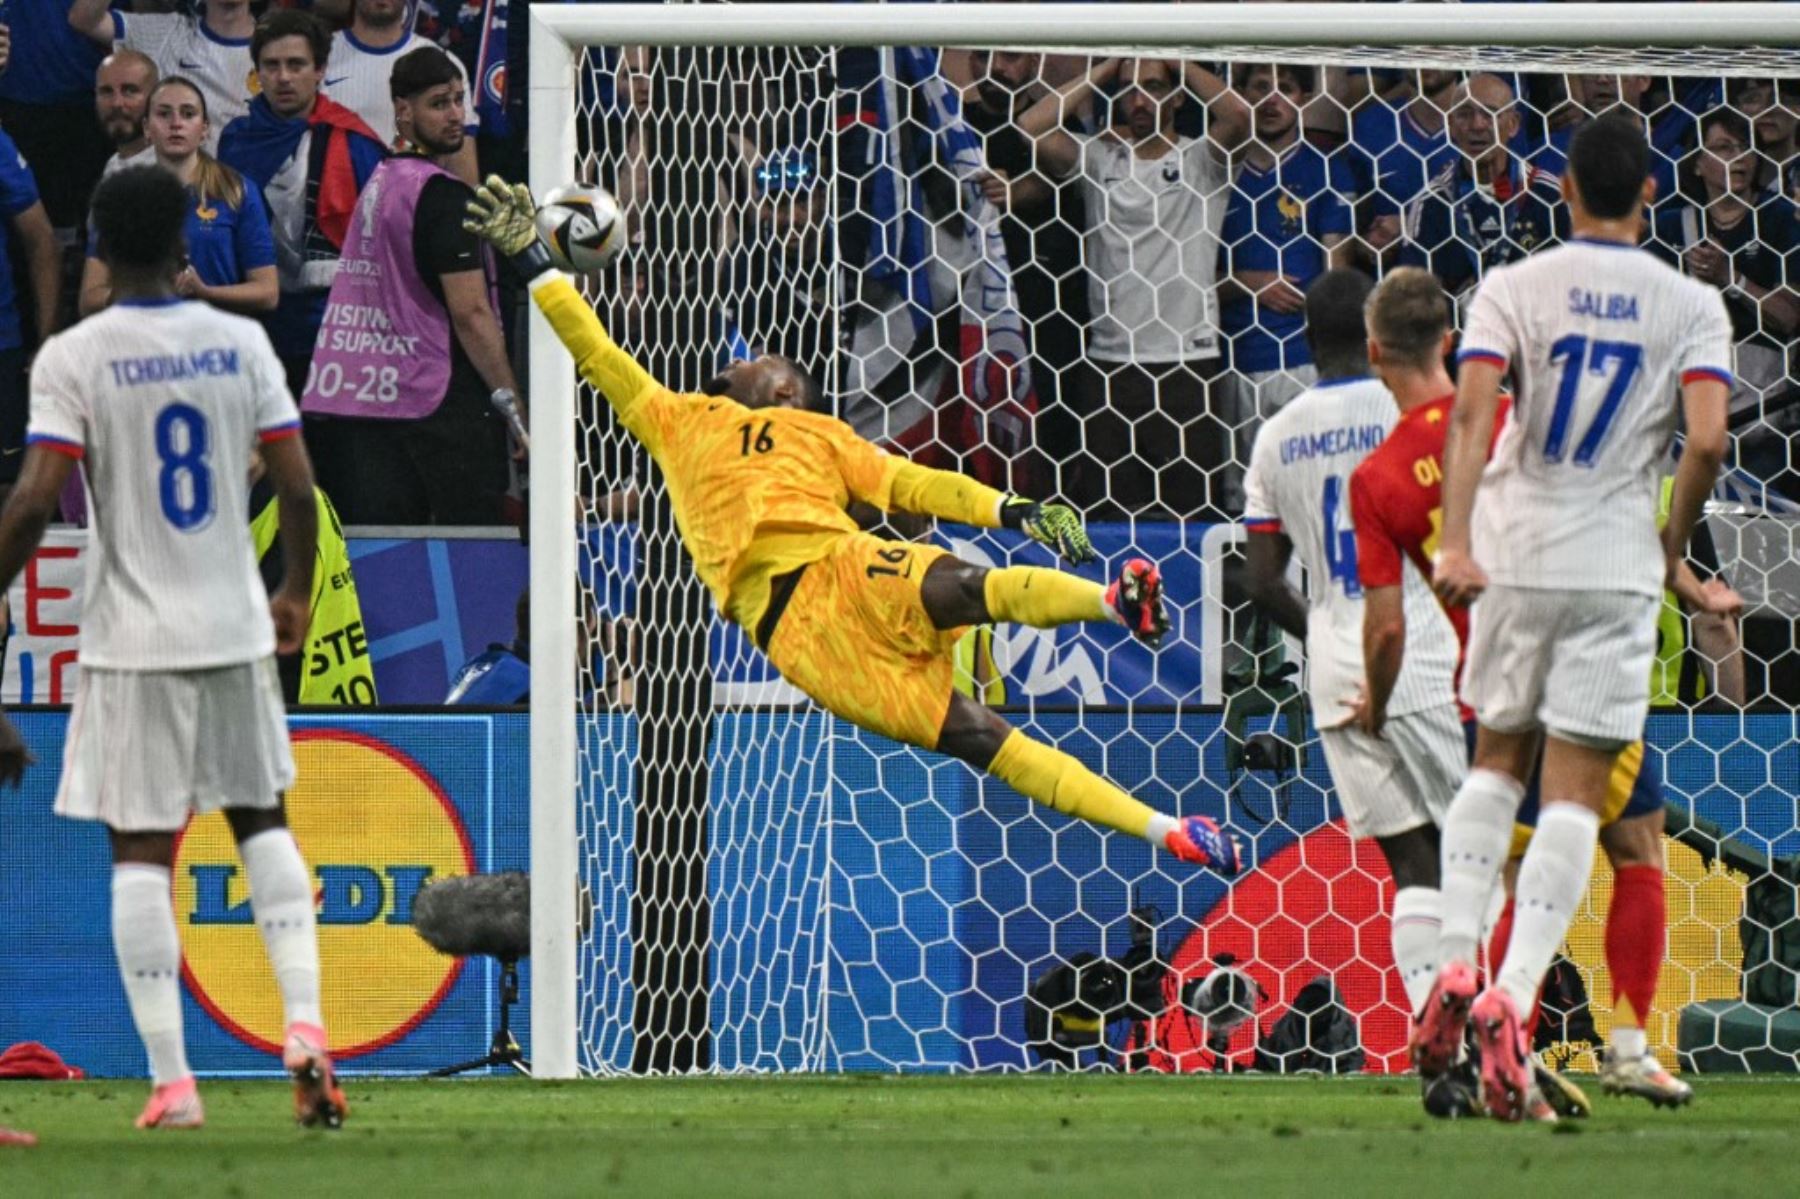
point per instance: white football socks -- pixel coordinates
(149, 953)
(281, 897)
(1415, 938)
(1477, 834)
(1552, 879)
(1628, 1043)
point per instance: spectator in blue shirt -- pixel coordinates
(230, 250)
(1679, 102)
(1288, 217)
(47, 107)
(1395, 148)
(311, 156)
(1478, 212)
(1770, 107)
(32, 236)
(501, 675)
(1590, 96)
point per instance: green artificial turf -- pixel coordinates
(803, 1137)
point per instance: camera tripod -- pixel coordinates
(503, 1050)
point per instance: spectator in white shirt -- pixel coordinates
(363, 58)
(1155, 200)
(210, 46)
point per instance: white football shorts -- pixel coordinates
(1575, 663)
(146, 748)
(1404, 778)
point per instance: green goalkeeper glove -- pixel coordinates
(1053, 525)
(504, 215)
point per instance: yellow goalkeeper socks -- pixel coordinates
(1056, 780)
(1042, 598)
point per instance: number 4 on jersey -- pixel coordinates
(1340, 537)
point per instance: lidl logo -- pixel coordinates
(375, 828)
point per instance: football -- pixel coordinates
(582, 227)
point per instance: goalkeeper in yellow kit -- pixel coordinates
(760, 478)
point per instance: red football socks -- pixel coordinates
(1636, 924)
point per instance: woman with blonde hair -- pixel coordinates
(230, 250)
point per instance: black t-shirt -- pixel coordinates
(1764, 247)
(441, 246)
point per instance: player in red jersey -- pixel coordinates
(1395, 499)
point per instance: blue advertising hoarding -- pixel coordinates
(431, 603)
(878, 909)
(872, 908)
(383, 805)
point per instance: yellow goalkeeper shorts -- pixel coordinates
(1635, 789)
(855, 636)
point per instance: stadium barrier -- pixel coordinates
(430, 602)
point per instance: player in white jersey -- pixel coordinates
(210, 46)
(1561, 547)
(362, 60)
(1393, 787)
(177, 709)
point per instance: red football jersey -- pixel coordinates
(1397, 501)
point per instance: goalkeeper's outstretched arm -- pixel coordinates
(601, 362)
(503, 214)
(951, 496)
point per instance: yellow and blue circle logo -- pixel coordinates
(375, 828)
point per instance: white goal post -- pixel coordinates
(1486, 33)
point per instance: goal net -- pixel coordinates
(1092, 294)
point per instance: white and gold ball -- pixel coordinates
(581, 225)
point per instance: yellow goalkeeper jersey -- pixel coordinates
(756, 492)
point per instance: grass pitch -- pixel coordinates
(805, 1137)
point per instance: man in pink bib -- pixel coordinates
(410, 362)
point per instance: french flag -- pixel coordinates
(986, 408)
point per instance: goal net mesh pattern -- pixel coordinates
(767, 888)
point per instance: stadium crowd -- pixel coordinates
(1454, 173)
(1161, 221)
(275, 119)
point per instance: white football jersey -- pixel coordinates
(1299, 484)
(1599, 337)
(1152, 249)
(356, 76)
(180, 44)
(162, 402)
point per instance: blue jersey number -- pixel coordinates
(185, 483)
(1340, 538)
(1577, 354)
